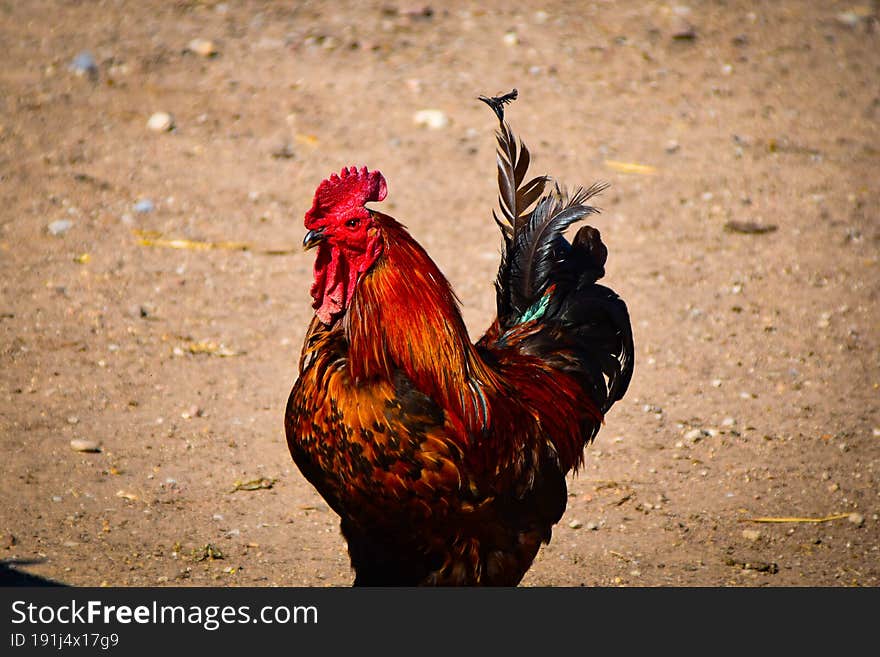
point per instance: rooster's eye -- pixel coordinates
(352, 223)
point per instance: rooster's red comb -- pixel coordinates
(347, 191)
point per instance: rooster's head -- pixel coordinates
(346, 235)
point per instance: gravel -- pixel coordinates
(203, 47)
(84, 65)
(60, 226)
(431, 118)
(143, 206)
(160, 122)
(84, 445)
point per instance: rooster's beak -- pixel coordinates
(312, 238)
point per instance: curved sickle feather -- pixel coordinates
(515, 196)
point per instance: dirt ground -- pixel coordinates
(756, 393)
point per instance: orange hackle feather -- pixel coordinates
(405, 315)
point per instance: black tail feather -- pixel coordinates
(588, 326)
(537, 248)
(497, 103)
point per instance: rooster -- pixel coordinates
(446, 460)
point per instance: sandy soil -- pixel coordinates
(757, 385)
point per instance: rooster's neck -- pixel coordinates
(405, 317)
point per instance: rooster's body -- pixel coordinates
(446, 460)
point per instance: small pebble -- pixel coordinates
(84, 445)
(728, 422)
(143, 310)
(751, 534)
(283, 151)
(431, 118)
(592, 526)
(72, 419)
(575, 524)
(160, 122)
(84, 65)
(191, 412)
(60, 226)
(203, 47)
(857, 519)
(696, 435)
(511, 39)
(144, 205)
(848, 19)
(681, 28)
(672, 146)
